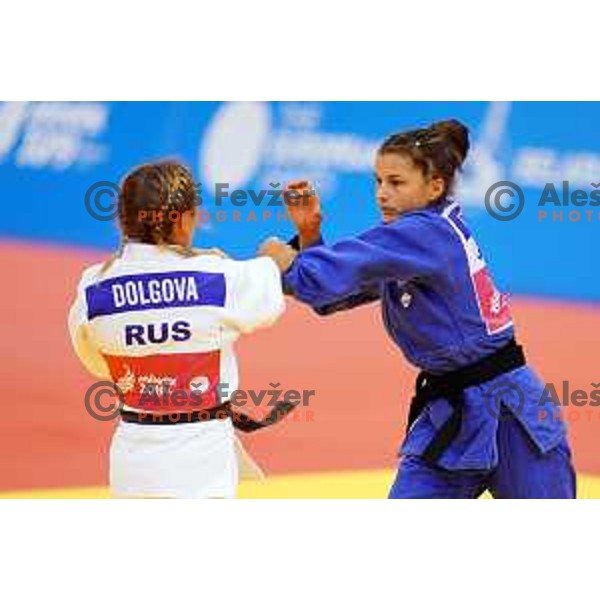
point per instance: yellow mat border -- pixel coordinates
(335, 485)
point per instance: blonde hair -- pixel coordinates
(159, 189)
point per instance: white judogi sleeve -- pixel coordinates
(80, 334)
(256, 299)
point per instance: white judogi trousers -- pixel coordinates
(184, 460)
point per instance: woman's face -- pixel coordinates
(401, 185)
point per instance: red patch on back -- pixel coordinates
(167, 382)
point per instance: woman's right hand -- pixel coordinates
(304, 208)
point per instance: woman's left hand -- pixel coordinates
(282, 253)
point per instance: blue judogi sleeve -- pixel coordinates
(370, 294)
(402, 250)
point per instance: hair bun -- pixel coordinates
(456, 134)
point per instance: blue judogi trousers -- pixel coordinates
(523, 471)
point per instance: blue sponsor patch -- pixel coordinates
(150, 291)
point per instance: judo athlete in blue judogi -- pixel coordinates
(475, 422)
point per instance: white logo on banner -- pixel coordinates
(492, 159)
(54, 135)
(260, 143)
(234, 143)
(248, 141)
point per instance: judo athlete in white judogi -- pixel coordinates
(160, 320)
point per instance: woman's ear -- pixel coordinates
(436, 188)
(185, 227)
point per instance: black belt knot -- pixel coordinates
(451, 385)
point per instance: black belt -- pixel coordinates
(241, 421)
(451, 386)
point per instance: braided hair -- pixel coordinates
(438, 150)
(153, 197)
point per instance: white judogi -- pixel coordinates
(158, 318)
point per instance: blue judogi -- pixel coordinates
(442, 310)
